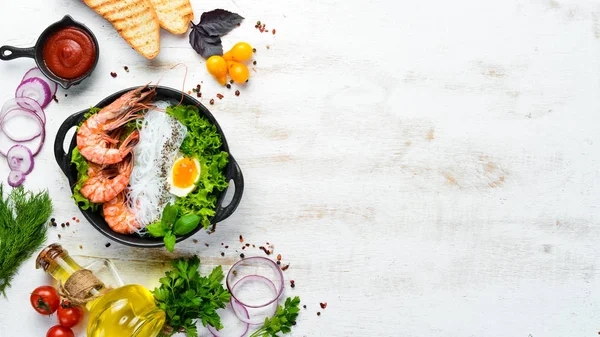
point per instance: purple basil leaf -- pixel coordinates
(219, 22)
(204, 44)
(207, 37)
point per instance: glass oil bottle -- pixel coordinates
(127, 311)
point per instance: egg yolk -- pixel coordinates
(185, 172)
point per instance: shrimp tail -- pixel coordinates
(130, 142)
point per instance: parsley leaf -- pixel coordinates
(282, 321)
(187, 297)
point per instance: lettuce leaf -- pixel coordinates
(82, 168)
(82, 175)
(204, 143)
(89, 114)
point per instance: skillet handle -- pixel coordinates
(9, 52)
(238, 179)
(62, 158)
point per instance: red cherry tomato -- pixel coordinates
(68, 315)
(45, 300)
(60, 331)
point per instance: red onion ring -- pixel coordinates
(220, 333)
(24, 103)
(16, 178)
(237, 306)
(36, 89)
(20, 158)
(36, 72)
(35, 149)
(249, 263)
(25, 113)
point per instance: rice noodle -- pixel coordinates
(160, 138)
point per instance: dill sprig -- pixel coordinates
(23, 216)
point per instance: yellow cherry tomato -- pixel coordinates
(238, 72)
(217, 66)
(242, 51)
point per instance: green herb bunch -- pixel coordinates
(282, 321)
(23, 216)
(172, 223)
(187, 297)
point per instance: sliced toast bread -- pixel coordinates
(135, 20)
(174, 15)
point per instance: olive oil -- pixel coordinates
(128, 311)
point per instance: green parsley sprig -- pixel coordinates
(282, 321)
(186, 297)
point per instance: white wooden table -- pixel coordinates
(427, 168)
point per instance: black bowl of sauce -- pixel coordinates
(66, 52)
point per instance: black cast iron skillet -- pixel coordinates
(37, 52)
(232, 170)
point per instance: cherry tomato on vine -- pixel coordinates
(60, 331)
(45, 300)
(69, 315)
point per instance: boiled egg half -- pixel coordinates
(184, 175)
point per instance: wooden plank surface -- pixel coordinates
(427, 168)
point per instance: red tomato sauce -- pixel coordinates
(70, 53)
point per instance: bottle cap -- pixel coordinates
(48, 255)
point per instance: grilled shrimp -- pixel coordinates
(118, 216)
(93, 137)
(104, 183)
